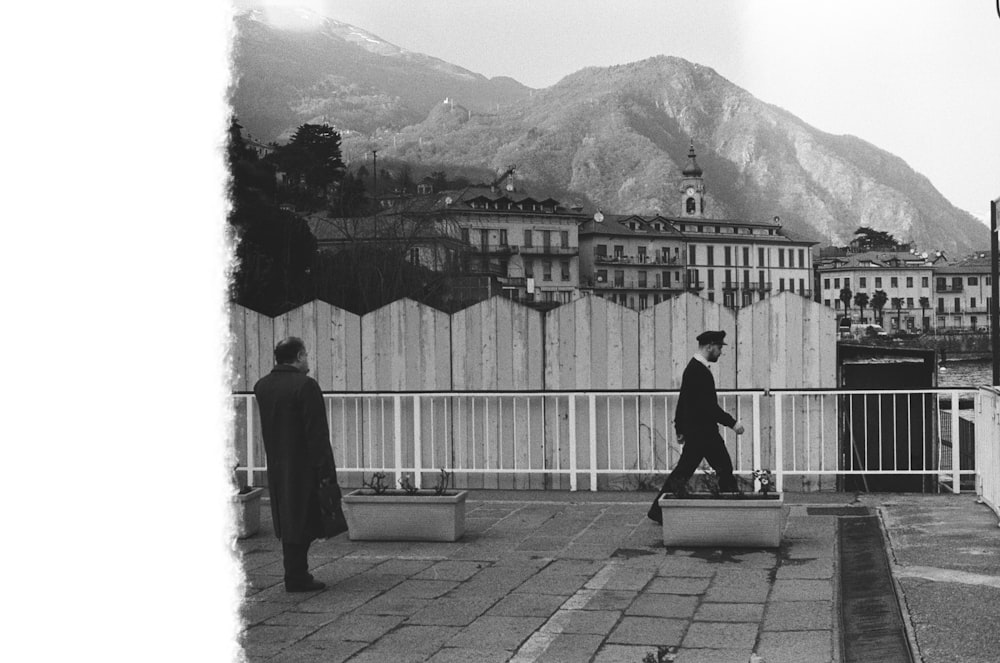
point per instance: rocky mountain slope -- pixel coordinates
(614, 138)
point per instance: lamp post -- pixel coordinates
(994, 292)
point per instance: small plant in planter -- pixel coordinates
(407, 513)
(663, 654)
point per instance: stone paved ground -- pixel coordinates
(549, 577)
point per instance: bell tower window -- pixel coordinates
(691, 206)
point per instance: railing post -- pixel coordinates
(779, 455)
(572, 443)
(756, 439)
(250, 450)
(397, 425)
(417, 448)
(956, 447)
(592, 403)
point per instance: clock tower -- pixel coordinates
(692, 188)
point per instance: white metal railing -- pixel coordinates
(988, 447)
(815, 437)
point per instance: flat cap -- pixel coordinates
(712, 338)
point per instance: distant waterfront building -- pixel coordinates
(963, 294)
(904, 277)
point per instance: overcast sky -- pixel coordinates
(919, 79)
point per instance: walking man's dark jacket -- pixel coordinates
(698, 412)
(297, 442)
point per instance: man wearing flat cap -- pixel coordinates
(697, 421)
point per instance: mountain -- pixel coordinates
(614, 138)
(285, 77)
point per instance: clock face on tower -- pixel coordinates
(690, 191)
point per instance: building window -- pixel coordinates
(665, 279)
(940, 306)
(909, 281)
(711, 296)
(760, 257)
(781, 285)
(973, 280)
(564, 269)
(909, 302)
(893, 282)
(643, 302)
(642, 278)
(602, 250)
(781, 257)
(956, 283)
(802, 286)
(619, 251)
(728, 300)
(527, 241)
(826, 303)
(791, 285)
(602, 276)
(619, 278)
(711, 279)
(529, 269)
(566, 296)
(691, 254)
(802, 258)
(836, 284)
(465, 236)
(642, 253)
(924, 282)
(847, 283)
(958, 305)
(710, 255)
(690, 206)
(546, 270)
(862, 282)
(791, 258)
(746, 256)
(564, 238)
(878, 282)
(972, 302)
(826, 284)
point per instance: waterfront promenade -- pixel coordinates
(585, 577)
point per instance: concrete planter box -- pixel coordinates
(397, 516)
(706, 521)
(247, 507)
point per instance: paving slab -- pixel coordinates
(796, 647)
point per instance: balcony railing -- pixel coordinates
(630, 284)
(549, 250)
(808, 439)
(621, 259)
(951, 287)
(494, 249)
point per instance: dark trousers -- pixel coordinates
(295, 557)
(711, 448)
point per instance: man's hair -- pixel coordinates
(287, 350)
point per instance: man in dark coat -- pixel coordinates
(697, 421)
(297, 444)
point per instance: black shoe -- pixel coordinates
(655, 513)
(311, 586)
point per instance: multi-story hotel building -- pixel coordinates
(633, 260)
(639, 261)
